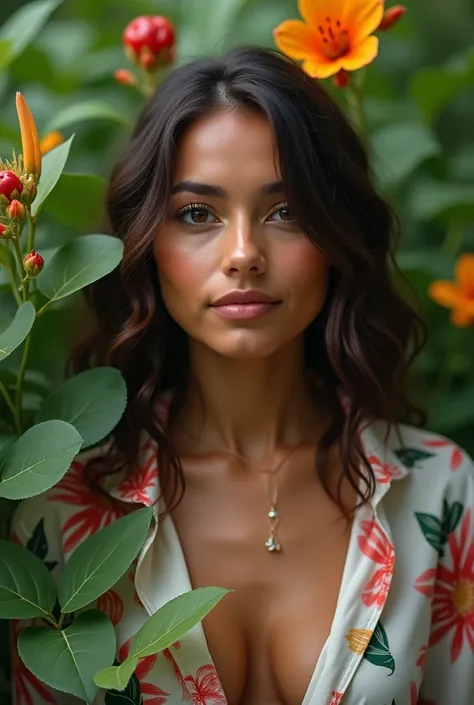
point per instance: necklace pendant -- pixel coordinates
(272, 544)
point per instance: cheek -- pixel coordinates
(179, 269)
(307, 272)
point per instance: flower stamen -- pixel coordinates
(335, 41)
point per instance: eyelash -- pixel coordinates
(190, 207)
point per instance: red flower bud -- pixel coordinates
(16, 210)
(341, 79)
(147, 60)
(9, 182)
(33, 264)
(391, 16)
(3, 228)
(125, 77)
(152, 32)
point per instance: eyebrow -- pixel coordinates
(269, 189)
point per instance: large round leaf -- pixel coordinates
(53, 164)
(79, 263)
(102, 559)
(39, 459)
(172, 621)
(87, 110)
(92, 401)
(15, 334)
(66, 203)
(27, 589)
(68, 660)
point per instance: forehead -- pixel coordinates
(228, 144)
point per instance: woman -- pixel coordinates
(265, 350)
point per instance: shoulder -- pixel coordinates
(55, 522)
(428, 459)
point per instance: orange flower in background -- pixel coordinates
(457, 295)
(50, 141)
(334, 35)
(30, 142)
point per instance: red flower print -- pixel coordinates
(177, 671)
(376, 546)
(98, 510)
(27, 689)
(152, 695)
(336, 698)
(383, 471)
(111, 603)
(456, 458)
(135, 488)
(421, 660)
(452, 591)
(205, 687)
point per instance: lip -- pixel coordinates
(244, 297)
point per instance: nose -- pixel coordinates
(243, 249)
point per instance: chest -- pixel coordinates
(266, 637)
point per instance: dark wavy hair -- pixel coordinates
(367, 335)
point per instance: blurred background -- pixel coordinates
(419, 105)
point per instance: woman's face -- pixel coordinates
(229, 233)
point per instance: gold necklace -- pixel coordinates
(272, 544)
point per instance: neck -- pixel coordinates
(250, 406)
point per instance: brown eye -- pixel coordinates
(199, 215)
(282, 215)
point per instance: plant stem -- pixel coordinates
(19, 257)
(453, 239)
(19, 382)
(355, 105)
(14, 284)
(9, 402)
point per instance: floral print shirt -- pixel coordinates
(403, 629)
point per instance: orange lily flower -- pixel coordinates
(50, 141)
(29, 137)
(334, 35)
(458, 295)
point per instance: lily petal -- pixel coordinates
(362, 17)
(447, 294)
(465, 271)
(296, 39)
(315, 12)
(361, 54)
(320, 67)
(461, 318)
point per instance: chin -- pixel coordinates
(246, 345)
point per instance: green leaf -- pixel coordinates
(87, 110)
(24, 25)
(67, 660)
(6, 53)
(434, 88)
(131, 695)
(15, 334)
(378, 650)
(39, 459)
(411, 456)
(102, 559)
(432, 531)
(27, 589)
(53, 164)
(92, 401)
(399, 149)
(172, 621)
(116, 677)
(79, 263)
(6, 256)
(430, 199)
(38, 545)
(455, 514)
(77, 200)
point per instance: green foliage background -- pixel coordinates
(419, 101)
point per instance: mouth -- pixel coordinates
(245, 304)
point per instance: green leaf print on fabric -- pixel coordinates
(411, 456)
(378, 650)
(436, 531)
(38, 545)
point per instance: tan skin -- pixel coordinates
(250, 395)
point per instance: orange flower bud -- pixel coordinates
(148, 60)
(33, 264)
(29, 137)
(16, 211)
(50, 141)
(125, 77)
(341, 79)
(3, 230)
(391, 16)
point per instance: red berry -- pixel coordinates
(149, 32)
(9, 182)
(2, 229)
